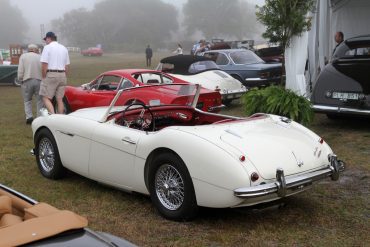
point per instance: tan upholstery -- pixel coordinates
(9, 220)
(39, 210)
(5, 205)
(40, 228)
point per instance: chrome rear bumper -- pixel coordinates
(285, 186)
(338, 109)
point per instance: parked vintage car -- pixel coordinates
(273, 54)
(183, 157)
(24, 221)
(246, 66)
(8, 74)
(102, 90)
(92, 51)
(203, 71)
(343, 87)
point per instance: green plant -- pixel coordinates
(279, 101)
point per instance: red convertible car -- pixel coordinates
(143, 86)
(92, 51)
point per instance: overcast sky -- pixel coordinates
(37, 12)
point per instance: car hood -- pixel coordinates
(269, 143)
(94, 113)
(211, 79)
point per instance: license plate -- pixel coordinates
(341, 95)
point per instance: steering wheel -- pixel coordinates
(143, 121)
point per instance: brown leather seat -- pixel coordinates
(9, 220)
(6, 216)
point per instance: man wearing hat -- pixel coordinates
(29, 73)
(55, 63)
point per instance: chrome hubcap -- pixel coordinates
(46, 155)
(169, 187)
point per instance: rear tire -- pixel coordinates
(171, 188)
(47, 155)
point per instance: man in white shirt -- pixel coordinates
(29, 73)
(55, 64)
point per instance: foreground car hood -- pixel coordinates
(94, 113)
(269, 144)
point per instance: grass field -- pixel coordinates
(330, 214)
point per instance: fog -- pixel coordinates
(158, 22)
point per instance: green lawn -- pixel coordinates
(330, 214)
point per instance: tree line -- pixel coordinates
(131, 25)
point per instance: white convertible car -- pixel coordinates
(204, 71)
(184, 157)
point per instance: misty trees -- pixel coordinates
(12, 25)
(123, 24)
(220, 18)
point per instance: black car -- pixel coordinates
(246, 66)
(343, 87)
(24, 221)
(8, 74)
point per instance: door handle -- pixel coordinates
(67, 133)
(128, 140)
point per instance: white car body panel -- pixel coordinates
(213, 79)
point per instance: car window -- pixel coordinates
(358, 52)
(202, 66)
(166, 67)
(245, 57)
(150, 78)
(125, 84)
(222, 59)
(109, 82)
(95, 83)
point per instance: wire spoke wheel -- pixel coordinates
(46, 154)
(169, 187)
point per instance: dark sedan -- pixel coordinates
(343, 87)
(246, 66)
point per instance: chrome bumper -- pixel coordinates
(235, 94)
(337, 109)
(285, 186)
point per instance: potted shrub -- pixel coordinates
(279, 101)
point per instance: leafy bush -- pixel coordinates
(279, 101)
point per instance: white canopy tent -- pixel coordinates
(352, 17)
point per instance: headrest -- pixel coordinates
(5, 205)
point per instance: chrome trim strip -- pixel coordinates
(339, 109)
(285, 186)
(212, 108)
(128, 140)
(255, 79)
(16, 193)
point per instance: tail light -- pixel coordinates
(264, 75)
(321, 140)
(254, 176)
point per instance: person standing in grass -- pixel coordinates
(29, 74)
(55, 64)
(149, 55)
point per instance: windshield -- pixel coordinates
(245, 57)
(202, 66)
(155, 95)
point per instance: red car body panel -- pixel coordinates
(92, 51)
(93, 94)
